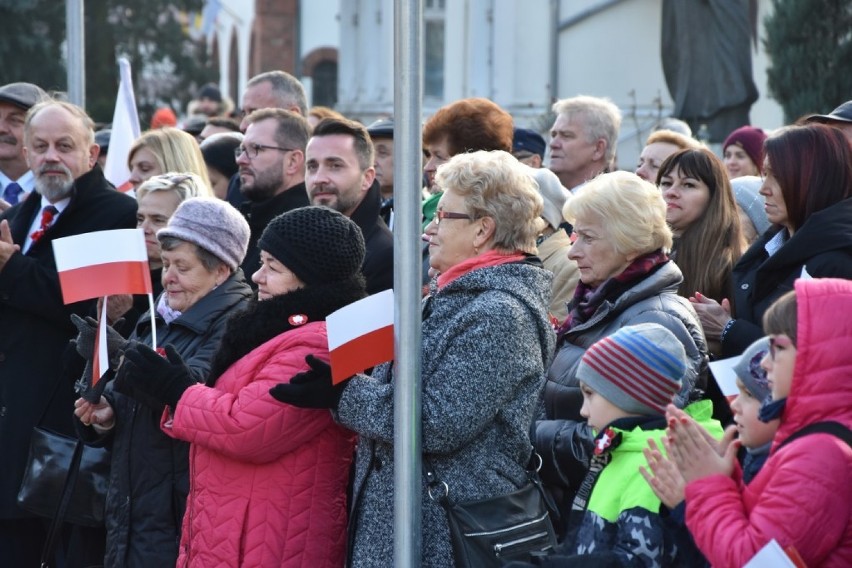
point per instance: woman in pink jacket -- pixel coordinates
(267, 481)
(802, 497)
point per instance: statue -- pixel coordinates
(706, 54)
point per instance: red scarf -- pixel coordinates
(484, 260)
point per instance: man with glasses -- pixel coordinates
(272, 89)
(271, 161)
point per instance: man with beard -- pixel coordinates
(16, 179)
(71, 197)
(271, 159)
(340, 174)
(272, 89)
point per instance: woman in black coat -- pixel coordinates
(203, 245)
(808, 192)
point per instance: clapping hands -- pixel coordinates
(691, 454)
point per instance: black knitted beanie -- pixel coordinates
(317, 243)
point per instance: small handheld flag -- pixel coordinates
(101, 264)
(360, 335)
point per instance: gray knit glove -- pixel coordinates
(85, 343)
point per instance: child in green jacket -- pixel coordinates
(627, 379)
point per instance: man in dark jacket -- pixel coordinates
(271, 89)
(340, 174)
(71, 197)
(272, 172)
(16, 179)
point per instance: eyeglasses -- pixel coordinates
(440, 215)
(252, 150)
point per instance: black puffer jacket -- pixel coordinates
(149, 478)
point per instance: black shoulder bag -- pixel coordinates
(494, 531)
(65, 481)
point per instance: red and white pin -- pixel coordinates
(298, 319)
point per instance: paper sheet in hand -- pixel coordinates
(723, 372)
(770, 556)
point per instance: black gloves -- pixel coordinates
(85, 345)
(311, 389)
(152, 379)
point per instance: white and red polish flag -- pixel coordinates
(101, 264)
(125, 129)
(360, 335)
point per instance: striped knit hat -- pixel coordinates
(638, 368)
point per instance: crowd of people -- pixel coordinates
(570, 314)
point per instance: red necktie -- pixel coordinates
(47, 215)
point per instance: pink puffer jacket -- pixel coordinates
(267, 480)
(802, 497)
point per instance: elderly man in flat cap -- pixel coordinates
(16, 179)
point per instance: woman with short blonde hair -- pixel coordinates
(166, 150)
(494, 187)
(486, 343)
(633, 208)
(621, 248)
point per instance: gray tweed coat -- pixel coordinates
(487, 342)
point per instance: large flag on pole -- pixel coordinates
(360, 335)
(101, 264)
(125, 129)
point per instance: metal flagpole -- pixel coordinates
(408, 94)
(76, 41)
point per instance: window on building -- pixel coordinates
(433, 49)
(325, 84)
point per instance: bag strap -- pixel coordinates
(50, 399)
(835, 429)
(439, 491)
(62, 507)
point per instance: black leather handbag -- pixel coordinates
(58, 465)
(497, 530)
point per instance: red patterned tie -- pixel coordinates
(47, 215)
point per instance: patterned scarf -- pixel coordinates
(587, 300)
